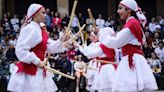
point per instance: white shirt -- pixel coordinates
(75, 22)
(15, 23)
(154, 63)
(161, 22)
(122, 38)
(12, 42)
(100, 23)
(160, 53)
(107, 23)
(79, 66)
(30, 36)
(94, 50)
(152, 27)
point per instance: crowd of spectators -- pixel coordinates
(10, 27)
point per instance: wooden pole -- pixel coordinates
(60, 73)
(107, 62)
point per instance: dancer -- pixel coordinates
(31, 46)
(133, 72)
(106, 71)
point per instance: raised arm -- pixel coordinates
(91, 51)
(122, 38)
(54, 46)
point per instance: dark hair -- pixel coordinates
(133, 13)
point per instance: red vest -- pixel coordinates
(110, 53)
(135, 28)
(39, 51)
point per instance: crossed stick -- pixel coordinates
(91, 17)
(72, 15)
(73, 38)
(107, 62)
(84, 65)
(56, 71)
(82, 35)
(60, 73)
(70, 22)
(71, 19)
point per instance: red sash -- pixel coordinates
(110, 53)
(136, 29)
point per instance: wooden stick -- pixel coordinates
(89, 68)
(107, 62)
(72, 15)
(75, 35)
(69, 31)
(91, 17)
(60, 73)
(81, 29)
(82, 35)
(57, 72)
(86, 66)
(79, 24)
(74, 41)
(71, 19)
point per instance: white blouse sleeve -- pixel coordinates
(122, 38)
(54, 46)
(27, 40)
(91, 52)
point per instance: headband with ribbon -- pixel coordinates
(132, 4)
